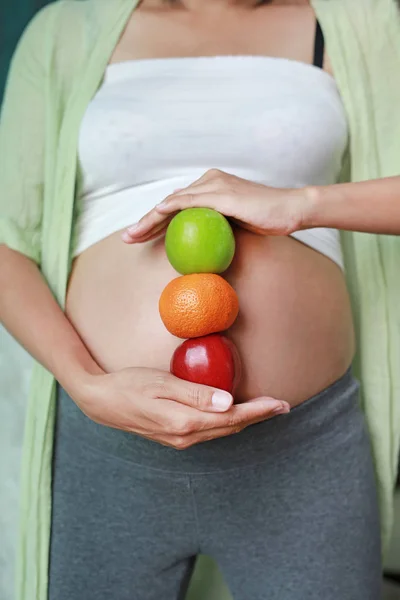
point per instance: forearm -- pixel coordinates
(30, 313)
(371, 206)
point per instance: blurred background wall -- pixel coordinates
(14, 15)
(15, 367)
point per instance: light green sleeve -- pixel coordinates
(22, 135)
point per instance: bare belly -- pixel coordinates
(294, 332)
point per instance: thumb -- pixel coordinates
(278, 406)
(198, 396)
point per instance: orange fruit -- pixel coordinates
(198, 304)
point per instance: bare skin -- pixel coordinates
(295, 332)
(110, 351)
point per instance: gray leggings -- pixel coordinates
(287, 508)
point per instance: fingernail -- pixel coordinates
(125, 236)
(282, 409)
(221, 400)
(160, 204)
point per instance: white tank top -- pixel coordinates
(158, 124)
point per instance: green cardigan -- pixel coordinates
(56, 70)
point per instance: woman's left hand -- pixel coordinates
(256, 207)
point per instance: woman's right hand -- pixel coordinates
(156, 405)
(151, 403)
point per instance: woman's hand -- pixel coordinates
(258, 208)
(158, 406)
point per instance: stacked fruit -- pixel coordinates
(200, 304)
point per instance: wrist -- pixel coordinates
(311, 197)
(79, 375)
(326, 206)
(84, 388)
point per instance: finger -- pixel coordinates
(201, 397)
(196, 198)
(201, 193)
(152, 222)
(147, 234)
(242, 415)
(183, 416)
(205, 178)
(153, 234)
(182, 441)
(211, 408)
(155, 218)
(209, 400)
(282, 405)
(178, 425)
(209, 181)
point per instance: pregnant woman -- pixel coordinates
(236, 106)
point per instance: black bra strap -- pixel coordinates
(319, 47)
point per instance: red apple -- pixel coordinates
(211, 360)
